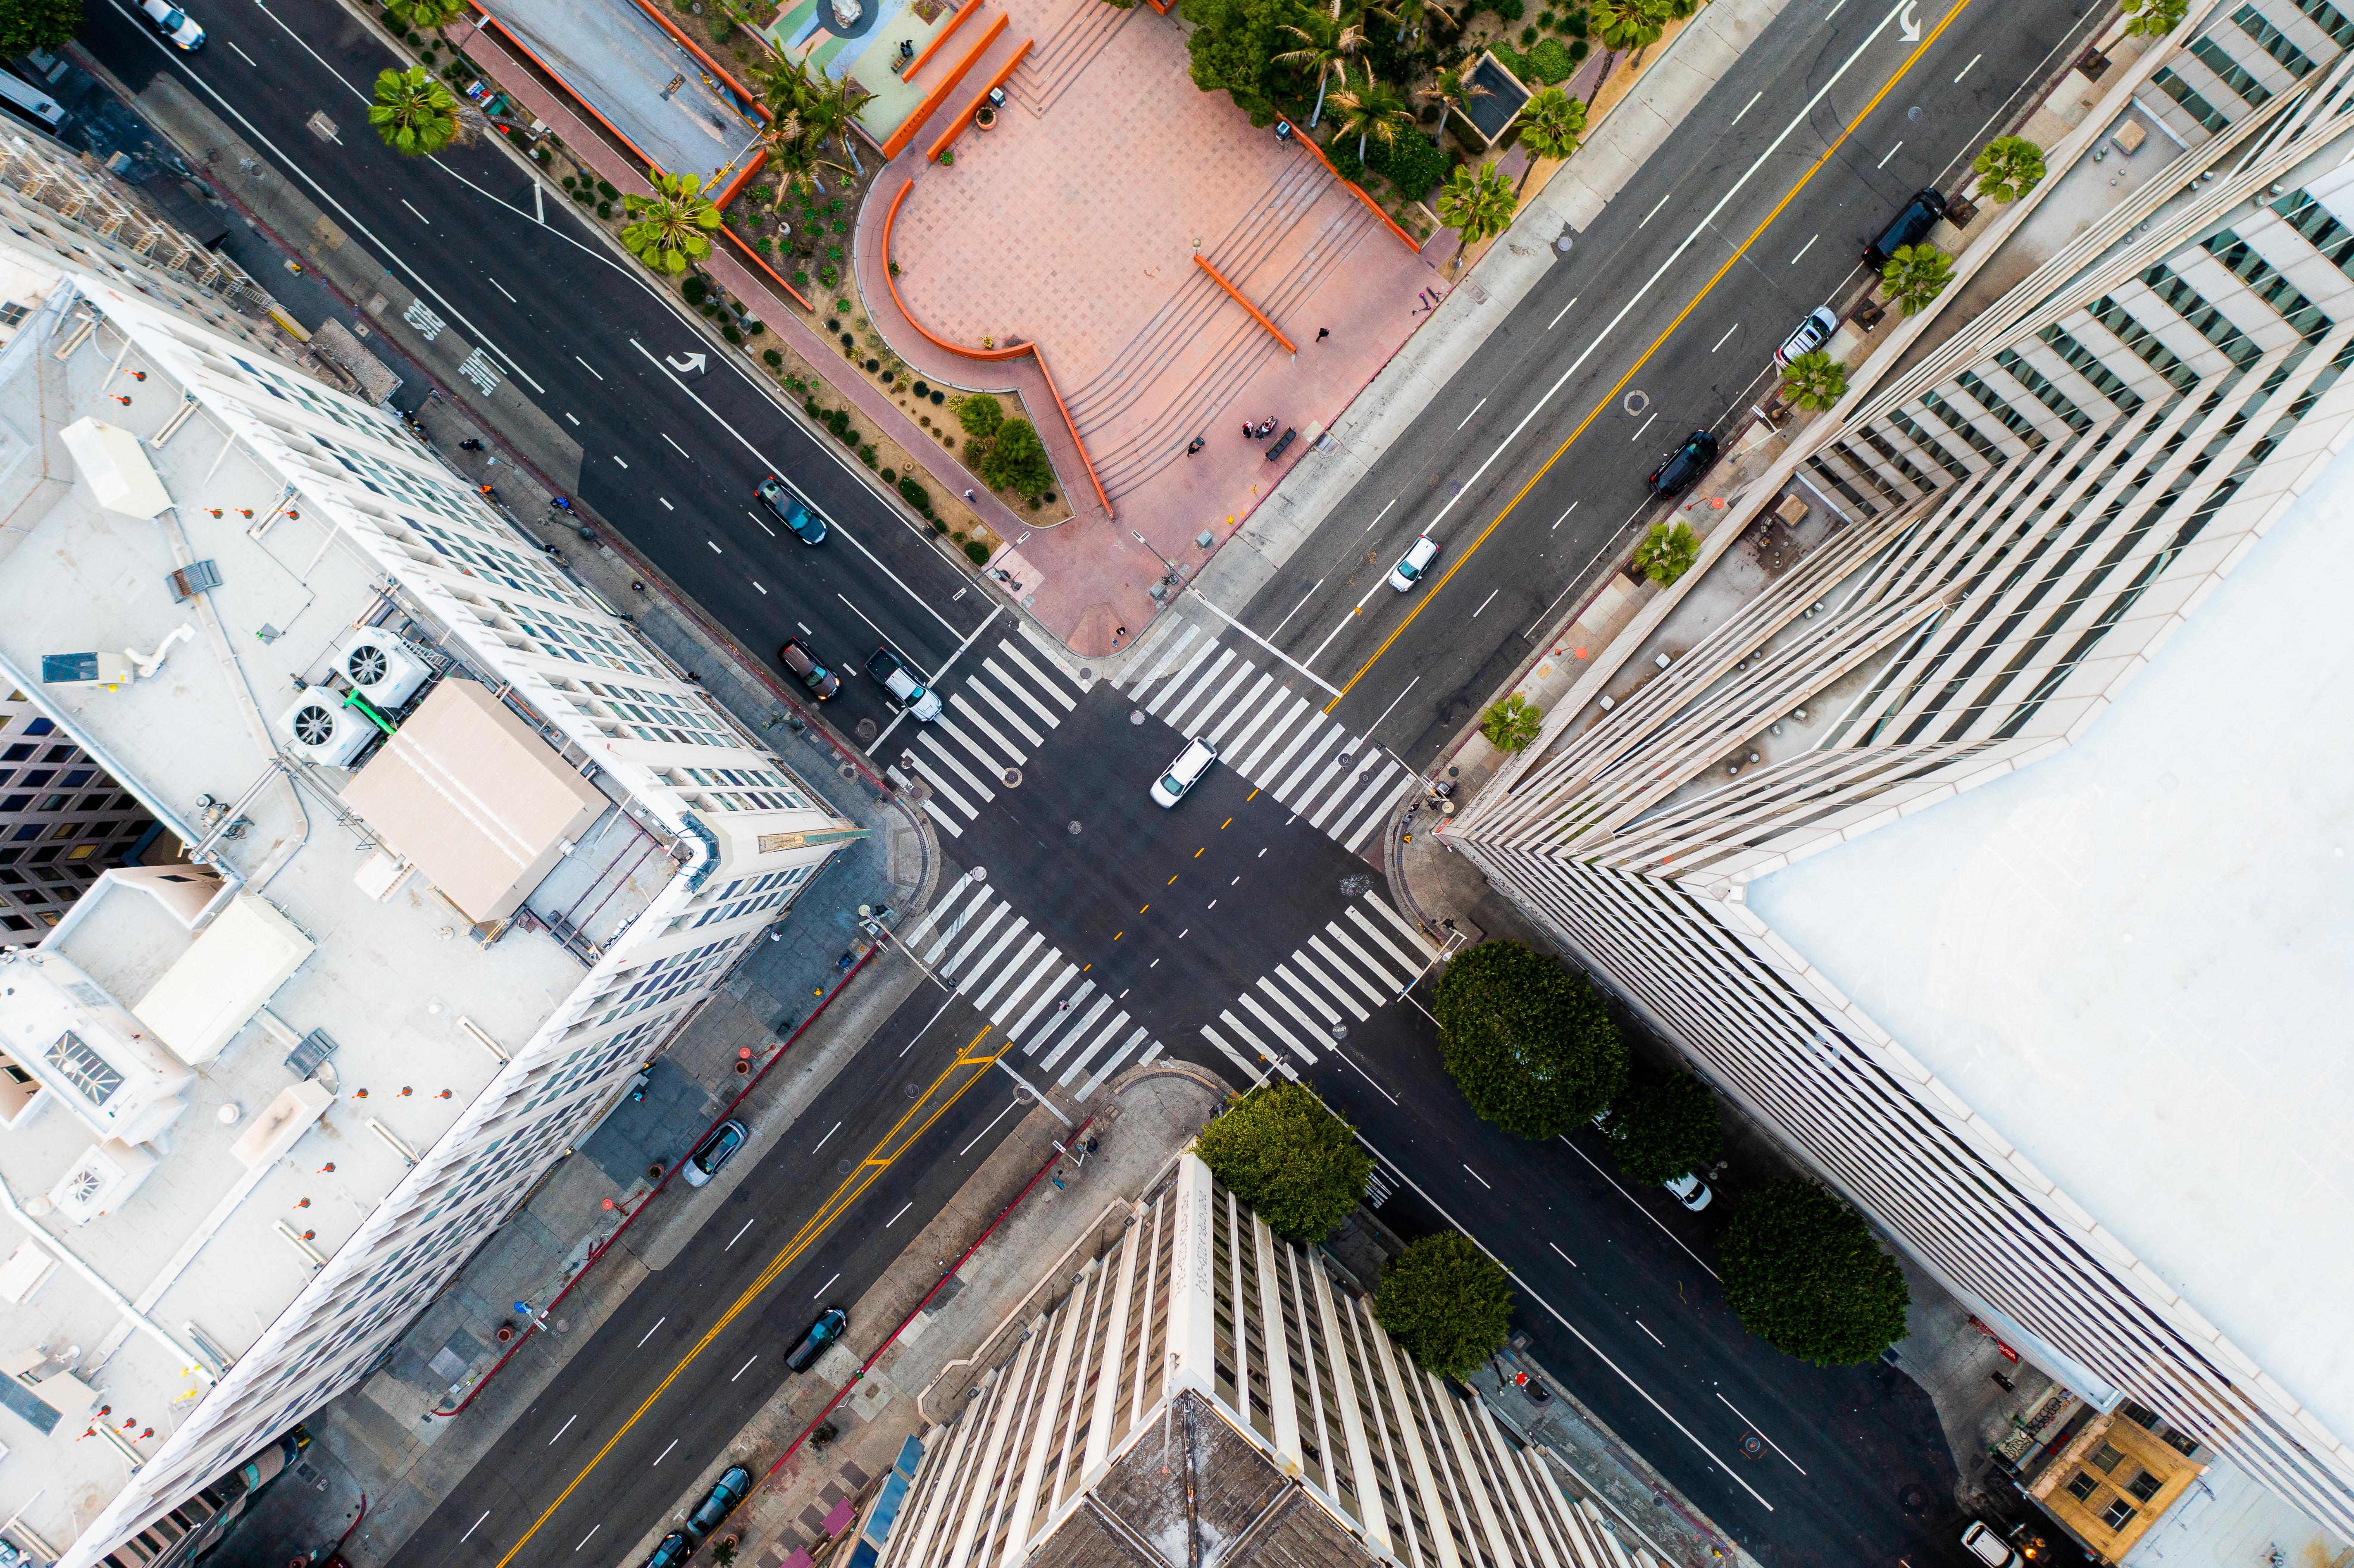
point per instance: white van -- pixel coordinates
(1185, 772)
(31, 102)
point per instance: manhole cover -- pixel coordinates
(914, 1088)
(978, 874)
(1135, 716)
(866, 729)
(1073, 829)
(1636, 402)
(1914, 1498)
(1339, 1031)
(1752, 1446)
(1913, 112)
(843, 1166)
(848, 772)
(1013, 777)
(1085, 674)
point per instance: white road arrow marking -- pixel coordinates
(683, 363)
(1909, 27)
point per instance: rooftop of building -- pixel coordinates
(2129, 959)
(405, 993)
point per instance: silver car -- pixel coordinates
(174, 24)
(1812, 334)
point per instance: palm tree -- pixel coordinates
(1374, 112)
(1476, 203)
(2009, 168)
(1551, 123)
(1453, 90)
(2151, 17)
(1327, 46)
(1628, 25)
(1409, 14)
(832, 106)
(1814, 381)
(415, 114)
(673, 226)
(424, 16)
(1916, 275)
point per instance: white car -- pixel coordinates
(1812, 334)
(1691, 1192)
(1414, 563)
(1185, 772)
(174, 24)
(1981, 1543)
(912, 695)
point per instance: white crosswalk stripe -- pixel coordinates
(1269, 726)
(1283, 1012)
(997, 712)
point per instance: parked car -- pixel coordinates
(1919, 216)
(1686, 463)
(174, 24)
(718, 1503)
(1691, 1192)
(911, 694)
(31, 102)
(715, 1151)
(1414, 563)
(674, 1549)
(786, 502)
(824, 1331)
(1185, 772)
(802, 665)
(1811, 336)
(1982, 1541)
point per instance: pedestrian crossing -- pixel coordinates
(1365, 958)
(1023, 983)
(994, 712)
(1276, 739)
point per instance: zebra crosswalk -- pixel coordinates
(1366, 958)
(1018, 979)
(1275, 738)
(995, 712)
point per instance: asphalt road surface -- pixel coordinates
(668, 455)
(1529, 468)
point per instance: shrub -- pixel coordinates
(731, 334)
(755, 327)
(838, 421)
(947, 157)
(1346, 165)
(772, 359)
(1017, 462)
(1527, 1042)
(1663, 1125)
(923, 389)
(1446, 1302)
(1288, 1158)
(938, 397)
(866, 456)
(1804, 1274)
(1510, 10)
(604, 209)
(1551, 62)
(1667, 552)
(1528, 36)
(1414, 164)
(800, 279)
(607, 191)
(1512, 723)
(980, 414)
(977, 552)
(917, 496)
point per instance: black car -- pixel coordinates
(802, 665)
(792, 511)
(1919, 216)
(824, 1331)
(676, 1549)
(1686, 463)
(718, 1503)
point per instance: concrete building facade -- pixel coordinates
(1777, 829)
(463, 853)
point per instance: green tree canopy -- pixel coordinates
(1512, 723)
(1279, 1151)
(1374, 112)
(672, 226)
(2007, 168)
(1017, 460)
(1667, 552)
(1804, 1274)
(27, 25)
(1630, 24)
(1551, 123)
(980, 414)
(1815, 380)
(2151, 17)
(415, 114)
(424, 16)
(1915, 275)
(1527, 1042)
(1477, 201)
(1233, 45)
(1662, 1125)
(1445, 1301)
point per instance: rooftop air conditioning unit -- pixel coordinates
(381, 667)
(319, 728)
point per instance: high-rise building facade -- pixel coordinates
(2021, 525)
(462, 852)
(62, 820)
(1208, 1392)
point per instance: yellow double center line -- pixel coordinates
(1887, 87)
(891, 1146)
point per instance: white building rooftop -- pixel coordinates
(2132, 958)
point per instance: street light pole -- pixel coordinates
(874, 927)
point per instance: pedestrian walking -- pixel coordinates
(469, 445)
(1323, 332)
(1193, 446)
(1118, 632)
(1250, 432)
(560, 503)
(968, 495)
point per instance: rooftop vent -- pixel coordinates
(382, 666)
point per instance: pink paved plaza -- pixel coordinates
(1073, 225)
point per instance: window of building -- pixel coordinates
(2118, 1514)
(2141, 1415)
(16, 753)
(81, 852)
(2106, 1458)
(2083, 1485)
(2145, 1486)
